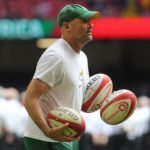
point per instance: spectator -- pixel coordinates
(97, 132)
(12, 111)
(138, 124)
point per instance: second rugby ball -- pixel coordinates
(99, 87)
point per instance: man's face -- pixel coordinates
(80, 31)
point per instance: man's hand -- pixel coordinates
(56, 134)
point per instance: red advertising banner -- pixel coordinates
(122, 28)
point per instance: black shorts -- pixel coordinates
(34, 144)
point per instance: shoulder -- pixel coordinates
(52, 52)
(49, 58)
(55, 49)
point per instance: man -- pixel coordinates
(59, 79)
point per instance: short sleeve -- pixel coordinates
(49, 69)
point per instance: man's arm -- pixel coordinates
(35, 89)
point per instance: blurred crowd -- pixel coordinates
(12, 119)
(121, 8)
(48, 9)
(132, 134)
(43, 9)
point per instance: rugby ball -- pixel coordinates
(118, 107)
(98, 88)
(61, 115)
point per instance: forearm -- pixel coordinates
(34, 110)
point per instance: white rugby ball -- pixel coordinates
(61, 115)
(118, 107)
(98, 88)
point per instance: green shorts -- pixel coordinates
(34, 144)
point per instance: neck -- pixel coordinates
(76, 46)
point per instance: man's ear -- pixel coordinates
(66, 25)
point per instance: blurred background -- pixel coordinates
(120, 49)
